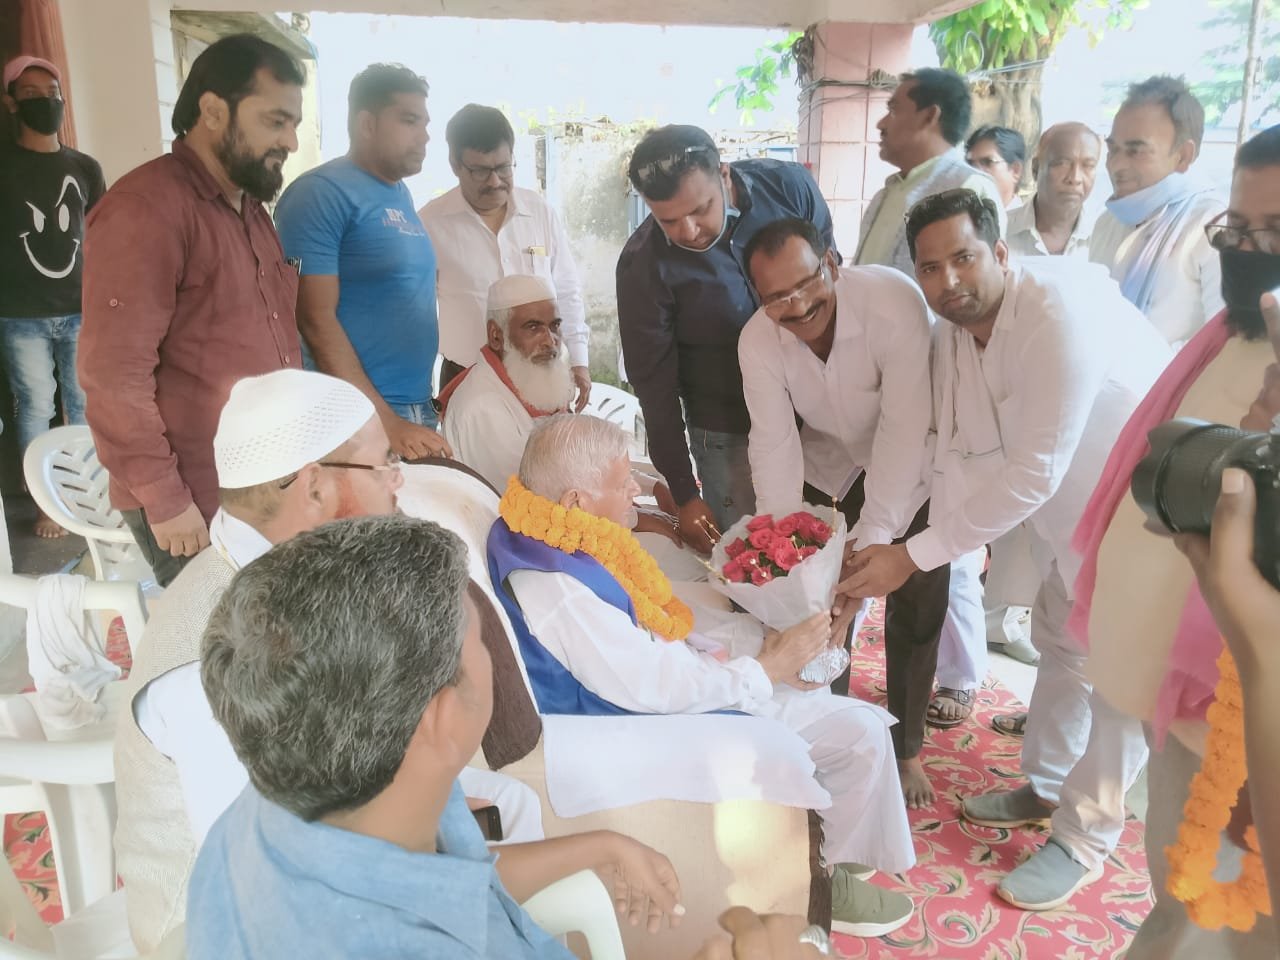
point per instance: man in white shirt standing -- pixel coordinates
(1151, 236)
(847, 351)
(1054, 222)
(920, 134)
(487, 228)
(1035, 374)
(294, 449)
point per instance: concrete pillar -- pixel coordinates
(839, 111)
(122, 64)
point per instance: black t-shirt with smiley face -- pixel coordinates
(43, 201)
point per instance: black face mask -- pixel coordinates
(42, 114)
(1246, 276)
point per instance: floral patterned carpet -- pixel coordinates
(958, 915)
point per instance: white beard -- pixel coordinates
(546, 386)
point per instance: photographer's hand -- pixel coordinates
(1246, 609)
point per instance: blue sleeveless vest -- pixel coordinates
(556, 690)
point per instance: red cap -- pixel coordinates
(18, 65)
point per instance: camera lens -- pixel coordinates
(1177, 483)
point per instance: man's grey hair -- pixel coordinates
(570, 451)
(322, 655)
(501, 316)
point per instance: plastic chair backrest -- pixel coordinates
(579, 904)
(69, 484)
(123, 597)
(618, 406)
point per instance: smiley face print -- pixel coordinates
(49, 243)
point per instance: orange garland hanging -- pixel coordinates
(1212, 903)
(613, 546)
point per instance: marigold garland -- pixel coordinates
(613, 546)
(1214, 790)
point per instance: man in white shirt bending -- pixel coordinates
(294, 449)
(847, 351)
(1151, 236)
(487, 228)
(1035, 374)
(601, 634)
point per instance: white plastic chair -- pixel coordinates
(68, 774)
(618, 406)
(578, 904)
(69, 484)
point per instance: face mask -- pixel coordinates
(1246, 276)
(42, 114)
(729, 211)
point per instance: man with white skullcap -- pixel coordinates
(294, 449)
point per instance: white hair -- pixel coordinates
(570, 451)
(502, 317)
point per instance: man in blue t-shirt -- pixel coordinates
(367, 296)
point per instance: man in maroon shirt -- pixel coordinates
(186, 291)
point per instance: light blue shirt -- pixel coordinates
(270, 885)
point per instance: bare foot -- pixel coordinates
(47, 528)
(916, 788)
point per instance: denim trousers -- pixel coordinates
(423, 414)
(33, 349)
(725, 472)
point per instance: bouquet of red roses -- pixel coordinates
(783, 571)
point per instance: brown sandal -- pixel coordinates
(1010, 724)
(963, 698)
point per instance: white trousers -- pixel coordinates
(1168, 933)
(1013, 579)
(867, 820)
(962, 648)
(1078, 751)
(517, 804)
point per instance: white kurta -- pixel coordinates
(487, 425)
(1187, 292)
(624, 664)
(471, 258)
(867, 407)
(174, 713)
(1025, 425)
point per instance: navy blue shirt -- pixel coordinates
(680, 313)
(269, 885)
(340, 220)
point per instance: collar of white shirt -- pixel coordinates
(238, 542)
(454, 203)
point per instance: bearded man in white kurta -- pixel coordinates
(601, 634)
(1035, 374)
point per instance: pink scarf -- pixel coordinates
(1192, 675)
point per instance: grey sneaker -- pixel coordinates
(1048, 879)
(1007, 808)
(861, 909)
(859, 871)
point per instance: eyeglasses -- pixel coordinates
(776, 307)
(1223, 236)
(482, 174)
(987, 163)
(394, 462)
(677, 162)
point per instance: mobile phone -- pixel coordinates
(490, 821)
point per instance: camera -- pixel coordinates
(1178, 481)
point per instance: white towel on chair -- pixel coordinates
(67, 666)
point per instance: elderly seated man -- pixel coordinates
(524, 375)
(600, 633)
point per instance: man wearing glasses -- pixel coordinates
(1000, 153)
(487, 228)
(1153, 646)
(846, 351)
(367, 297)
(1151, 235)
(683, 299)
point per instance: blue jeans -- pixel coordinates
(423, 414)
(725, 472)
(32, 347)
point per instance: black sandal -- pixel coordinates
(1010, 724)
(963, 698)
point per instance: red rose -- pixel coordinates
(788, 525)
(762, 538)
(761, 576)
(735, 549)
(807, 552)
(813, 529)
(734, 573)
(784, 554)
(763, 522)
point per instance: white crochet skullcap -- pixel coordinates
(274, 425)
(518, 289)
